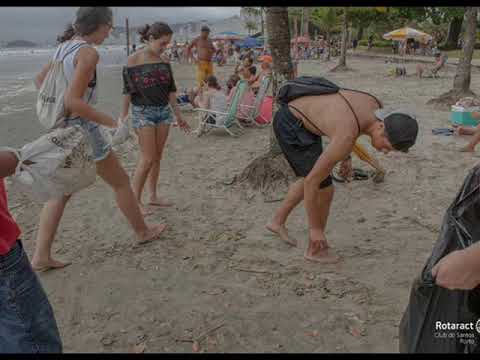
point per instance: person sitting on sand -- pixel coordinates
(213, 98)
(342, 117)
(430, 71)
(467, 130)
(80, 58)
(150, 87)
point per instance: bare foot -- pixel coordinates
(153, 233)
(281, 231)
(468, 148)
(322, 256)
(159, 202)
(145, 210)
(318, 251)
(50, 264)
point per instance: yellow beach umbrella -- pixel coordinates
(407, 33)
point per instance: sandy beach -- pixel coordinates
(217, 276)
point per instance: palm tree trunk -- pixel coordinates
(306, 21)
(462, 77)
(360, 33)
(272, 167)
(454, 29)
(461, 82)
(342, 61)
(343, 51)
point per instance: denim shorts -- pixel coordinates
(100, 146)
(27, 322)
(151, 116)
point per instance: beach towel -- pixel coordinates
(443, 131)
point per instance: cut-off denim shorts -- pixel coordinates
(100, 146)
(27, 321)
(151, 116)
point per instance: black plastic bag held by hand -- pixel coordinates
(426, 325)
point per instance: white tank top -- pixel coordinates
(67, 52)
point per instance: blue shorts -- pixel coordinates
(27, 322)
(151, 116)
(100, 146)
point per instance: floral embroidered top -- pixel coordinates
(149, 84)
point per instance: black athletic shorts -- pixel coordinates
(301, 147)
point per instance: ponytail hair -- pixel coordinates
(68, 34)
(156, 30)
(87, 21)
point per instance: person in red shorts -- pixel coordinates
(27, 322)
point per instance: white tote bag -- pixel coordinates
(62, 164)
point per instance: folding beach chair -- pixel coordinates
(210, 119)
(254, 111)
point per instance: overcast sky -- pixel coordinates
(44, 23)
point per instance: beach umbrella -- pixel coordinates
(226, 36)
(249, 42)
(407, 33)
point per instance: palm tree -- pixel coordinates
(251, 26)
(342, 61)
(305, 20)
(327, 20)
(461, 82)
(272, 166)
(251, 14)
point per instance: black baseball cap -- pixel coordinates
(205, 28)
(401, 127)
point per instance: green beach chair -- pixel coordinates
(257, 105)
(224, 120)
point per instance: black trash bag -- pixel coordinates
(429, 303)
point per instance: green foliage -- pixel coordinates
(327, 19)
(377, 43)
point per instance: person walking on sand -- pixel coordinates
(27, 321)
(91, 27)
(150, 87)
(205, 52)
(342, 116)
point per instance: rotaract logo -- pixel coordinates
(477, 326)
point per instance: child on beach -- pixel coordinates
(27, 321)
(150, 87)
(91, 27)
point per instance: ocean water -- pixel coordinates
(18, 68)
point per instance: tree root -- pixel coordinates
(268, 173)
(446, 100)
